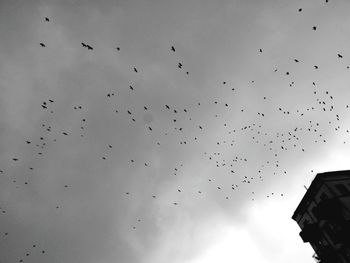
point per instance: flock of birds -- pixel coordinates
(182, 120)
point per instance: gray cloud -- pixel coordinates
(215, 42)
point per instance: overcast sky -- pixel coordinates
(112, 151)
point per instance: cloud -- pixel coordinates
(106, 209)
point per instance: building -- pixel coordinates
(324, 217)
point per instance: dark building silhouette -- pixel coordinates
(324, 217)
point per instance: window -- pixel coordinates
(314, 212)
(305, 222)
(343, 190)
(323, 196)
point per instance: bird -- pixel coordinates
(173, 48)
(340, 56)
(260, 50)
(314, 28)
(89, 47)
(135, 69)
(83, 44)
(47, 19)
(300, 9)
(42, 44)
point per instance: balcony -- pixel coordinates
(310, 233)
(326, 255)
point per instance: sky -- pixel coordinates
(167, 131)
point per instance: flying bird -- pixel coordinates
(47, 19)
(173, 48)
(42, 44)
